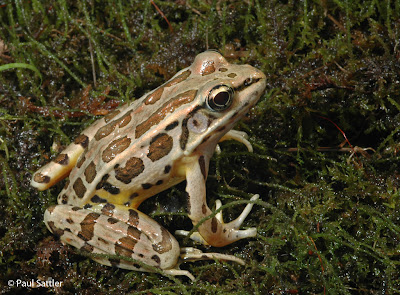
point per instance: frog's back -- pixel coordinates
(131, 157)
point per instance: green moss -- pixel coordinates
(328, 218)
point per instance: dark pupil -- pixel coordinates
(221, 99)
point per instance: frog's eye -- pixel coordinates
(220, 97)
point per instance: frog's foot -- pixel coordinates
(239, 136)
(228, 233)
(192, 254)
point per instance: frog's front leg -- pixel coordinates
(116, 230)
(212, 231)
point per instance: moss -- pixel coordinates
(328, 217)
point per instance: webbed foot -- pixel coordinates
(230, 231)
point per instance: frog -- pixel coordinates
(143, 148)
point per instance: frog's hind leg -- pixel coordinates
(120, 232)
(57, 169)
(61, 166)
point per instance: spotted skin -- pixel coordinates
(106, 130)
(143, 148)
(115, 148)
(169, 107)
(90, 172)
(160, 146)
(202, 164)
(40, 178)
(111, 115)
(82, 140)
(207, 68)
(133, 168)
(79, 188)
(62, 159)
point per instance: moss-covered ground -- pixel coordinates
(325, 135)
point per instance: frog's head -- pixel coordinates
(225, 94)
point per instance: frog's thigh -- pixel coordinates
(61, 166)
(115, 230)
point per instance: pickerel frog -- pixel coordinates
(143, 148)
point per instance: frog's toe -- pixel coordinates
(179, 272)
(196, 236)
(193, 254)
(243, 233)
(235, 224)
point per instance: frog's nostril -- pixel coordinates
(248, 81)
(259, 75)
